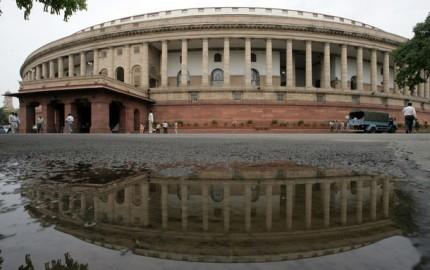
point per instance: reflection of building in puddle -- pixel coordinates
(248, 214)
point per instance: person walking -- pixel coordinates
(69, 122)
(176, 127)
(410, 116)
(39, 124)
(12, 122)
(150, 122)
(165, 127)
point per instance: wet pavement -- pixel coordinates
(334, 201)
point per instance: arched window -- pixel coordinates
(253, 57)
(217, 77)
(135, 71)
(255, 77)
(119, 74)
(217, 57)
(120, 196)
(354, 83)
(179, 78)
(103, 72)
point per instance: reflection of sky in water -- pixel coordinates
(247, 214)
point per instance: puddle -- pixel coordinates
(242, 214)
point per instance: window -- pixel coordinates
(237, 95)
(217, 9)
(217, 57)
(136, 49)
(235, 9)
(354, 83)
(320, 98)
(252, 10)
(255, 77)
(184, 11)
(194, 96)
(168, 12)
(355, 99)
(268, 10)
(217, 77)
(103, 72)
(136, 74)
(384, 101)
(119, 51)
(103, 54)
(201, 10)
(253, 57)
(119, 74)
(315, 15)
(299, 12)
(280, 96)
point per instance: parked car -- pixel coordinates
(371, 122)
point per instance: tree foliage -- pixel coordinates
(413, 57)
(69, 264)
(69, 7)
(4, 119)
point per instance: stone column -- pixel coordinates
(289, 53)
(145, 65)
(396, 86)
(326, 74)
(226, 207)
(289, 202)
(427, 88)
(308, 205)
(226, 61)
(360, 69)
(373, 71)
(127, 204)
(99, 117)
(344, 67)
(164, 54)
(205, 62)
(344, 203)
(184, 206)
(71, 66)
(111, 63)
(48, 116)
(44, 71)
(248, 62)
(164, 211)
(51, 69)
(60, 67)
(83, 64)
(96, 208)
(205, 206)
(373, 200)
(184, 64)
(269, 66)
(359, 201)
(83, 205)
(127, 64)
(248, 202)
(95, 62)
(386, 197)
(309, 64)
(145, 203)
(386, 72)
(269, 189)
(421, 86)
(326, 203)
(38, 72)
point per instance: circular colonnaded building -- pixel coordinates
(215, 68)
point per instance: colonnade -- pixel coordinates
(47, 70)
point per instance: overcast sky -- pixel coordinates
(18, 37)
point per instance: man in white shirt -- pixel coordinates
(69, 122)
(150, 122)
(410, 115)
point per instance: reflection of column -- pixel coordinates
(226, 62)
(164, 53)
(111, 206)
(386, 197)
(308, 64)
(290, 64)
(184, 200)
(205, 60)
(326, 203)
(164, 213)
(308, 204)
(344, 203)
(326, 75)
(269, 62)
(127, 204)
(226, 207)
(344, 67)
(83, 205)
(145, 202)
(359, 201)
(184, 64)
(373, 200)
(360, 68)
(373, 71)
(205, 206)
(290, 205)
(269, 207)
(247, 208)
(247, 62)
(96, 208)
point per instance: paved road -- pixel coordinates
(406, 157)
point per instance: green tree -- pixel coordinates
(413, 56)
(53, 6)
(4, 117)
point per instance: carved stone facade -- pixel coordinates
(284, 64)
